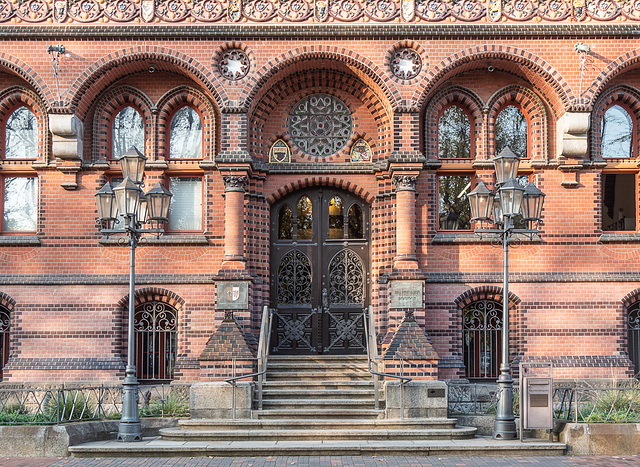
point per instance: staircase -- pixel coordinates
(318, 398)
(317, 406)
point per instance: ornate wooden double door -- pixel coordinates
(320, 242)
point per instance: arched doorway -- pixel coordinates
(320, 242)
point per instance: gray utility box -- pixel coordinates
(537, 403)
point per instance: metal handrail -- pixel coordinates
(264, 342)
(372, 348)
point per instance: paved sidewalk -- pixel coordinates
(328, 461)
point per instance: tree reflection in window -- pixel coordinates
(336, 218)
(185, 210)
(185, 141)
(20, 204)
(454, 134)
(285, 223)
(617, 131)
(355, 222)
(453, 205)
(21, 135)
(305, 219)
(511, 131)
(128, 132)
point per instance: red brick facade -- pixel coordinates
(65, 286)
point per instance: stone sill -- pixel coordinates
(619, 237)
(470, 237)
(162, 240)
(18, 240)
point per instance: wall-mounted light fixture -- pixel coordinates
(56, 51)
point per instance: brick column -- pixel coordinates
(405, 222)
(234, 221)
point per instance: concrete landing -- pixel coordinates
(157, 447)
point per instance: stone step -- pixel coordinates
(318, 405)
(156, 447)
(175, 434)
(316, 375)
(320, 385)
(318, 358)
(310, 414)
(306, 365)
(315, 394)
(317, 424)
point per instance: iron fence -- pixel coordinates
(56, 405)
(618, 402)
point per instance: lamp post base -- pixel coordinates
(504, 426)
(130, 429)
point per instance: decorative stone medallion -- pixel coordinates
(279, 152)
(234, 64)
(320, 125)
(406, 63)
(360, 151)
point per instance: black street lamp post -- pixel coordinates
(500, 209)
(137, 209)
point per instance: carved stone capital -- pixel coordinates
(234, 182)
(405, 182)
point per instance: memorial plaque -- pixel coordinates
(407, 294)
(233, 295)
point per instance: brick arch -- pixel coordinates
(20, 68)
(454, 95)
(320, 181)
(337, 57)
(624, 63)
(17, 96)
(153, 294)
(485, 292)
(116, 65)
(107, 109)
(7, 302)
(544, 78)
(176, 98)
(629, 98)
(301, 84)
(533, 109)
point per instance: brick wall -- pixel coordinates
(67, 284)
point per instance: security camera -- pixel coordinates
(582, 48)
(152, 68)
(490, 69)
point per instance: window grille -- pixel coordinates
(482, 329)
(155, 330)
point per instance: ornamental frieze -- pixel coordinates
(317, 11)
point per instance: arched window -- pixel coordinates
(127, 132)
(185, 140)
(356, 227)
(155, 329)
(482, 337)
(285, 223)
(5, 328)
(511, 131)
(617, 133)
(305, 219)
(21, 135)
(633, 330)
(454, 134)
(336, 218)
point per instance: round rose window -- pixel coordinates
(320, 125)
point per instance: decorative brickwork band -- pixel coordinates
(405, 182)
(234, 183)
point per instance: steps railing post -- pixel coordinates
(233, 375)
(402, 389)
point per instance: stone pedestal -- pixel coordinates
(214, 400)
(422, 399)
